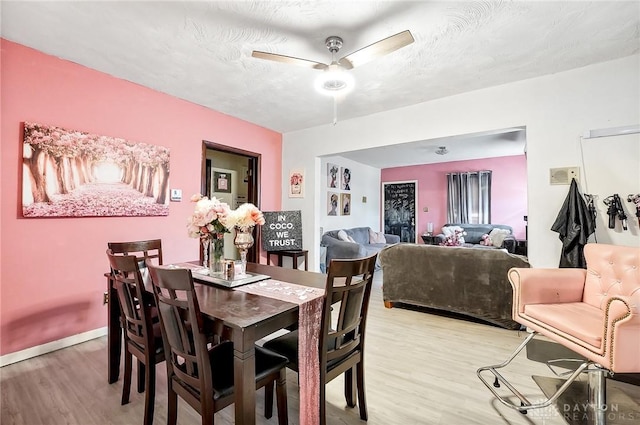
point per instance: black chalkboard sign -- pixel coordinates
(400, 210)
(282, 230)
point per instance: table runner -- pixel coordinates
(310, 301)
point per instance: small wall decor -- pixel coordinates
(332, 176)
(296, 183)
(69, 173)
(221, 182)
(345, 174)
(333, 202)
(345, 205)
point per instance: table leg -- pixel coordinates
(244, 372)
(306, 261)
(268, 259)
(280, 259)
(114, 333)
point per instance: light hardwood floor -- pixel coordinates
(420, 369)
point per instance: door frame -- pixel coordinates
(253, 189)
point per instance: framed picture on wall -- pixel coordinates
(296, 183)
(71, 173)
(333, 179)
(221, 182)
(333, 202)
(399, 203)
(345, 204)
(345, 176)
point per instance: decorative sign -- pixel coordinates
(399, 202)
(282, 231)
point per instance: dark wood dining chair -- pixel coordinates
(143, 250)
(342, 335)
(200, 372)
(142, 337)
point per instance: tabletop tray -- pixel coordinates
(238, 281)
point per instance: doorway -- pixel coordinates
(233, 176)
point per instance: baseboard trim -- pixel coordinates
(39, 350)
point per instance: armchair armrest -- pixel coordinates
(545, 286)
(623, 333)
(392, 238)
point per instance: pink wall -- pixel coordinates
(51, 279)
(508, 189)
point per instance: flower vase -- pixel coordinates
(216, 253)
(243, 241)
(205, 252)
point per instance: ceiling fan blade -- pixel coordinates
(288, 59)
(377, 49)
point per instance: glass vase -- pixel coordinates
(243, 241)
(216, 253)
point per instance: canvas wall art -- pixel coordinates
(296, 183)
(345, 174)
(69, 173)
(333, 202)
(333, 179)
(346, 203)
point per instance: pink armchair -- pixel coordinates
(593, 312)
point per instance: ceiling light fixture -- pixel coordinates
(335, 80)
(442, 150)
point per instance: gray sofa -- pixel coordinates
(337, 248)
(474, 235)
(471, 282)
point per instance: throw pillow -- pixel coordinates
(342, 235)
(497, 236)
(376, 237)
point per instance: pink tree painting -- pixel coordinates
(69, 173)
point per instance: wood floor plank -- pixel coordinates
(420, 369)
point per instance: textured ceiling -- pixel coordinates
(201, 51)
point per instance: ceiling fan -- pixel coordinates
(335, 79)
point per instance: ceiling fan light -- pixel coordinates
(334, 81)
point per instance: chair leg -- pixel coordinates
(149, 395)
(281, 394)
(323, 400)
(349, 388)
(362, 402)
(126, 382)
(141, 375)
(268, 400)
(172, 406)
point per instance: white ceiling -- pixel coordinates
(201, 51)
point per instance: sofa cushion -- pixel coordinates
(359, 234)
(497, 236)
(377, 237)
(343, 236)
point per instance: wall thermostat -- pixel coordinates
(176, 195)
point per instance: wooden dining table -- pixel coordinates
(250, 316)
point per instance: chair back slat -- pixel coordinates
(182, 328)
(347, 294)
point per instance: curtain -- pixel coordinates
(469, 197)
